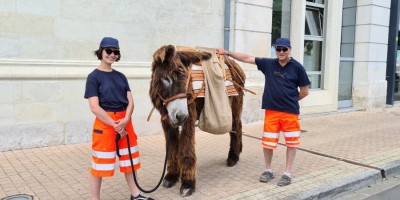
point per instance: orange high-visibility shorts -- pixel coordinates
(104, 147)
(274, 123)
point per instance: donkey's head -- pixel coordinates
(169, 82)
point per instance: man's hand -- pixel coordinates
(237, 56)
(221, 51)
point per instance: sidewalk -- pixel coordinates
(339, 154)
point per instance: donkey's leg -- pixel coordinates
(187, 157)
(172, 143)
(236, 133)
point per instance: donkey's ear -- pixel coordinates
(164, 53)
(169, 52)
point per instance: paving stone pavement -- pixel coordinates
(339, 153)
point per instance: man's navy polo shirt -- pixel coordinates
(281, 84)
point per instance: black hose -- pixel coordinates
(117, 138)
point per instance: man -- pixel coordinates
(283, 78)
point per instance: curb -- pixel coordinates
(349, 184)
(392, 168)
(341, 187)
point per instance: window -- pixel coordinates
(314, 21)
(347, 54)
(280, 21)
(314, 41)
(316, 1)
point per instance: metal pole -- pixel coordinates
(392, 51)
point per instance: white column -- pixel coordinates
(252, 35)
(253, 22)
(297, 29)
(372, 27)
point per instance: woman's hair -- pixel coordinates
(99, 55)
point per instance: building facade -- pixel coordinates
(47, 52)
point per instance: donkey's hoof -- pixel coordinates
(168, 183)
(186, 192)
(187, 189)
(170, 180)
(230, 162)
(232, 158)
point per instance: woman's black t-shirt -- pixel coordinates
(110, 87)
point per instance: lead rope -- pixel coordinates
(117, 138)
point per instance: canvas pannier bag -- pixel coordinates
(216, 116)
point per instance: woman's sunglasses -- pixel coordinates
(109, 51)
(279, 49)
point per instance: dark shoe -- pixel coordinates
(141, 197)
(266, 176)
(284, 181)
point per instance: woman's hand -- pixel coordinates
(123, 133)
(120, 124)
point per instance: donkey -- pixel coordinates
(172, 95)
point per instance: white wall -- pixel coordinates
(47, 50)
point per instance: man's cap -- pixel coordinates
(282, 42)
(109, 42)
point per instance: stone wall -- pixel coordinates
(47, 52)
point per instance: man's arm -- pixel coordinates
(303, 92)
(237, 56)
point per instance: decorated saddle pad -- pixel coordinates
(197, 77)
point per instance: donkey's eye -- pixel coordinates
(167, 81)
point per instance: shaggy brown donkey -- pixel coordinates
(173, 97)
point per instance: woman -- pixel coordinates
(111, 101)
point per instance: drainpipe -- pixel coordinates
(227, 22)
